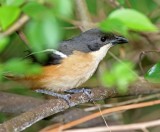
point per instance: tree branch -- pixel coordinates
(103, 112)
(135, 126)
(131, 101)
(84, 15)
(54, 106)
(13, 103)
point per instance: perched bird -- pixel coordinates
(72, 64)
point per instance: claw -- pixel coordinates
(86, 91)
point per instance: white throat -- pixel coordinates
(101, 53)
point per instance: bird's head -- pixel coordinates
(92, 41)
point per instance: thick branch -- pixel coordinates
(51, 107)
(24, 103)
(84, 15)
(13, 103)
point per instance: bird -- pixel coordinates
(72, 64)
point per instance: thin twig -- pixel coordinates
(135, 126)
(140, 99)
(70, 28)
(102, 115)
(144, 129)
(141, 57)
(23, 37)
(106, 111)
(23, 19)
(115, 3)
(119, 60)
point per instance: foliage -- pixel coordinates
(133, 20)
(153, 74)
(119, 76)
(43, 31)
(48, 24)
(3, 43)
(8, 15)
(19, 67)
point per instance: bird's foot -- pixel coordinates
(86, 91)
(66, 97)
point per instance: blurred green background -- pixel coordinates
(48, 22)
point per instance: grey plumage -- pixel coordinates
(86, 42)
(89, 41)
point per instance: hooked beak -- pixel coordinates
(119, 40)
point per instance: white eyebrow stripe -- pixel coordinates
(50, 50)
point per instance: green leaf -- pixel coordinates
(35, 35)
(120, 76)
(1, 72)
(3, 117)
(108, 79)
(35, 10)
(153, 74)
(3, 43)
(17, 66)
(63, 8)
(2, 2)
(133, 19)
(123, 86)
(114, 25)
(44, 34)
(52, 32)
(8, 14)
(14, 2)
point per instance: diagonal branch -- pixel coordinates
(51, 107)
(105, 111)
(13, 103)
(135, 126)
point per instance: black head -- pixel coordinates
(89, 41)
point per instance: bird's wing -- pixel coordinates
(53, 57)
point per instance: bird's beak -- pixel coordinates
(119, 40)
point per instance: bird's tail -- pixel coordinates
(13, 77)
(20, 79)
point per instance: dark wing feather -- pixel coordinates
(53, 57)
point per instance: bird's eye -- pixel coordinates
(103, 39)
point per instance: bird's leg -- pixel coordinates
(66, 97)
(86, 91)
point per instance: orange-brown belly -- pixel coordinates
(71, 73)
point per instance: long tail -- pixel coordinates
(13, 77)
(20, 79)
